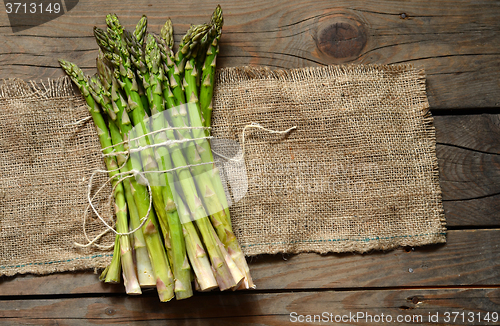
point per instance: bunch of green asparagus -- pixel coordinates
(184, 239)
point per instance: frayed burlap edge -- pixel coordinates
(15, 87)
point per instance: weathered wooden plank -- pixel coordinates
(474, 212)
(464, 260)
(469, 152)
(267, 308)
(466, 174)
(479, 132)
(456, 41)
(58, 283)
(470, 257)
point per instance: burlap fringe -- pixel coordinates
(18, 88)
(234, 74)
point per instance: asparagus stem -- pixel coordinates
(208, 80)
(150, 166)
(157, 255)
(192, 38)
(219, 213)
(131, 283)
(144, 268)
(111, 274)
(203, 178)
(181, 268)
(223, 274)
(207, 191)
(116, 41)
(221, 219)
(208, 70)
(115, 108)
(197, 256)
(138, 40)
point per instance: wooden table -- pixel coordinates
(458, 44)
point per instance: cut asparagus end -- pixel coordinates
(144, 270)
(165, 293)
(112, 273)
(130, 280)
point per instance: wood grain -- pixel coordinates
(479, 132)
(467, 174)
(457, 42)
(259, 308)
(470, 258)
(480, 212)
(469, 151)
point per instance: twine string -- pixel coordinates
(76, 123)
(255, 125)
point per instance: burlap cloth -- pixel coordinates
(358, 173)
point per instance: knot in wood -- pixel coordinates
(343, 39)
(110, 311)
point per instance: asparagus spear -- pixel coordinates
(208, 193)
(163, 274)
(212, 195)
(130, 277)
(139, 33)
(153, 58)
(179, 259)
(194, 247)
(221, 219)
(189, 44)
(222, 272)
(208, 70)
(144, 268)
(188, 48)
(129, 84)
(205, 186)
